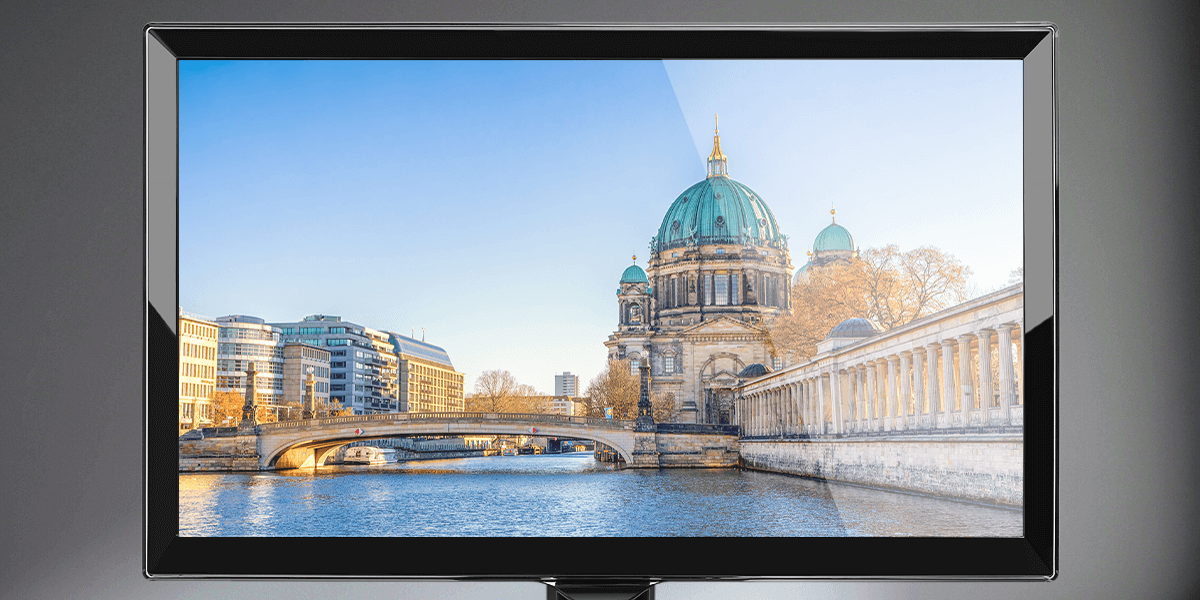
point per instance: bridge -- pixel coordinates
(290, 444)
(310, 443)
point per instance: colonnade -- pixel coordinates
(930, 377)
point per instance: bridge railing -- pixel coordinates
(445, 416)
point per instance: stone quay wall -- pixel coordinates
(684, 445)
(986, 469)
(218, 452)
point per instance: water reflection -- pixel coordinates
(562, 495)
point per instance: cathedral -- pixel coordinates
(718, 268)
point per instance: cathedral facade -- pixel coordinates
(718, 268)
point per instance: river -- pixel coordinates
(561, 495)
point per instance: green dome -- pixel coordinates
(798, 277)
(718, 210)
(834, 237)
(634, 274)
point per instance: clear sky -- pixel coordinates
(496, 203)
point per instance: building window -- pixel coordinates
(733, 289)
(708, 290)
(634, 365)
(722, 285)
(777, 362)
(669, 365)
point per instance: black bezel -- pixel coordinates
(1032, 557)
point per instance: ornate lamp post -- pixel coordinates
(645, 412)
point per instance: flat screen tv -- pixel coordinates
(830, 353)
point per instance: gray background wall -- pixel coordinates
(70, 290)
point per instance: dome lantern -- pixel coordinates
(718, 164)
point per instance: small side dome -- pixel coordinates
(855, 328)
(754, 370)
(634, 274)
(833, 237)
(801, 274)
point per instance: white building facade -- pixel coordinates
(197, 370)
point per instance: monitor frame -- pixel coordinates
(1034, 556)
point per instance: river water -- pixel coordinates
(561, 495)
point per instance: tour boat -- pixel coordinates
(368, 455)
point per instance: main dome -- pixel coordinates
(718, 210)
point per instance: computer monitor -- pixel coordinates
(480, 177)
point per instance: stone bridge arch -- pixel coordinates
(296, 444)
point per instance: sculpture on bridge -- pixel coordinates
(250, 408)
(310, 408)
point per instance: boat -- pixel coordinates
(368, 455)
(506, 451)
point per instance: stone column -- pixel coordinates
(809, 403)
(785, 416)
(835, 394)
(797, 406)
(1021, 368)
(918, 356)
(860, 390)
(786, 407)
(931, 353)
(1006, 372)
(764, 409)
(758, 413)
(985, 375)
(891, 393)
(905, 389)
(785, 421)
(791, 403)
(966, 390)
(820, 403)
(948, 391)
(852, 398)
(802, 400)
(871, 396)
(776, 414)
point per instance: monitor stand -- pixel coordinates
(600, 589)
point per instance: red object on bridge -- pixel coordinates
(533, 430)
(358, 432)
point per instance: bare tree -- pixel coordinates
(492, 391)
(227, 408)
(933, 280)
(829, 296)
(663, 407)
(499, 391)
(885, 285)
(616, 387)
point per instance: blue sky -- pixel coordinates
(495, 203)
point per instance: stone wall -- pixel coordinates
(696, 450)
(218, 453)
(982, 469)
